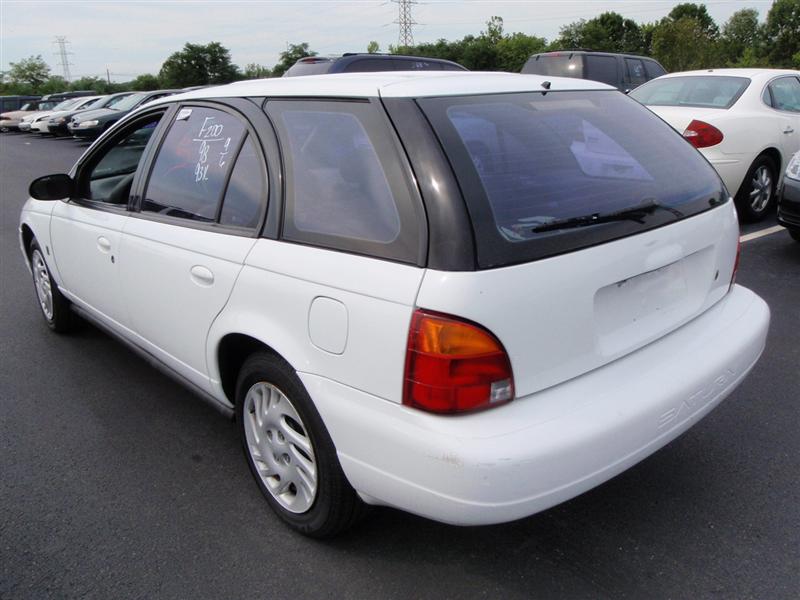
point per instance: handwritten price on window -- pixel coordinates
(210, 133)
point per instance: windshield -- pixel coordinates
(67, 103)
(128, 102)
(528, 160)
(113, 101)
(700, 91)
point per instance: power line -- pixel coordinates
(63, 55)
(406, 22)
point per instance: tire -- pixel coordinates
(757, 194)
(54, 306)
(289, 451)
(795, 233)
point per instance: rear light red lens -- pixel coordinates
(702, 135)
(454, 366)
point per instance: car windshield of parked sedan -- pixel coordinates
(66, 104)
(128, 102)
(700, 91)
(595, 162)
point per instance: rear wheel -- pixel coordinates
(756, 196)
(54, 306)
(289, 451)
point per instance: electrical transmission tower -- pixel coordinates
(63, 55)
(404, 20)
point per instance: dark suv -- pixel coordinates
(623, 71)
(366, 63)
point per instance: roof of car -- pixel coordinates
(394, 84)
(750, 73)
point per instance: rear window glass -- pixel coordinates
(700, 91)
(529, 162)
(559, 65)
(370, 65)
(309, 68)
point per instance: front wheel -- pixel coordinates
(54, 306)
(795, 233)
(756, 196)
(289, 451)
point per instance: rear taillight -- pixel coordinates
(702, 135)
(736, 264)
(454, 366)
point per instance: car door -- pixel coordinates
(197, 219)
(783, 95)
(85, 231)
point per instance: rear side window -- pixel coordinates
(602, 68)
(653, 69)
(345, 185)
(370, 65)
(247, 189)
(193, 163)
(700, 91)
(537, 169)
(785, 94)
(636, 72)
(408, 64)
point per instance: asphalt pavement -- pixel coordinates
(115, 482)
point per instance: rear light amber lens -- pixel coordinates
(702, 135)
(454, 366)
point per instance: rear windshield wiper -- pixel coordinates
(634, 213)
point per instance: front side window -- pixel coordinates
(345, 186)
(109, 176)
(785, 94)
(539, 170)
(701, 91)
(192, 165)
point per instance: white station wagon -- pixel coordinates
(468, 296)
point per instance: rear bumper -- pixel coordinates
(513, 461)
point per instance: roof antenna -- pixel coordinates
(546, 85)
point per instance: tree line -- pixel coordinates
(687, 38)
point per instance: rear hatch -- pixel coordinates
(598, 229)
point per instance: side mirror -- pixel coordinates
(52, 187)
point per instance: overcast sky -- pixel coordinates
(131, 37)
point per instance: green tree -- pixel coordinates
(145, 83)
(609, 32)
(32, 71)
(740, 33)
(293, 53)
(97, 84)
(514, 50)
(783, 32)
(198, 64)
(53, 84)
(698, 12)
(256, 71)
(683, 45)
(373, 47)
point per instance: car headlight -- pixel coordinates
(92, 123)
(58, 120)
(793, 170)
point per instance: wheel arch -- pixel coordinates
(231, 352)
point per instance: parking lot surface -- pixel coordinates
(115, 482)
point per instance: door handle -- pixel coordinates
(789, 129)
(202, 275)
(103, 244)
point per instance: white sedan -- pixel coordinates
(41, 120)
(746, 122)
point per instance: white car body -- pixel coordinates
(603, 377)
(41, 120)
(750, 127)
